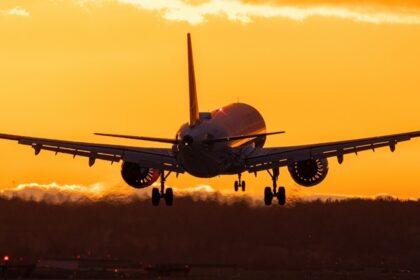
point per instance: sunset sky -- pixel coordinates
(321, 70)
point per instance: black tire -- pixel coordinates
(155, 197)
(281, 196)
(169, 197)
(268, 196)
(236, 185)
(243, 186)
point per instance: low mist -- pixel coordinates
(54, 193)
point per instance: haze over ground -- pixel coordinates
(348, 235)
(321, 70)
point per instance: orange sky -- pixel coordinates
(322, 72)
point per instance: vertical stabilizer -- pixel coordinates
(194, 113)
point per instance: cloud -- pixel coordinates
(235, 10)
(384, 3)
(17, 11)
(339, 197)
(56, 194)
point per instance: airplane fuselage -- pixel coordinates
(228, 140)
(205, 160)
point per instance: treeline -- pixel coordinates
(351, 234)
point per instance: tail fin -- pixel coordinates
(194, 112)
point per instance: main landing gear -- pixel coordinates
(167, 195)
(270, 193)
(239, 184)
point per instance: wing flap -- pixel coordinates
(75, 152)
(266, 158)
(158, 158)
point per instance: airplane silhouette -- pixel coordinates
(226, 141)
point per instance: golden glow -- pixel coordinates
(72, 68)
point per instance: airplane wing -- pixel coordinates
(267, 158)
(157, 158)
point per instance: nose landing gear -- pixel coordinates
(167, 195)
(239, 183)
(270, 193)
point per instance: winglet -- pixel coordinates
(194, 112)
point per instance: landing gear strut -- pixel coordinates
(167, 195)
(270, 193)
(239, 183)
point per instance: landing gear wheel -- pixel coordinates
(155, 197)
(268, 196)
(169, 197)
(281, 196)
(236, 186)
(243, 186)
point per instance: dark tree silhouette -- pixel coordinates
(351, 234)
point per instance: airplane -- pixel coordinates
(227, 141)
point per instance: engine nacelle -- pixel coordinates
(309, 172)
(138, 176)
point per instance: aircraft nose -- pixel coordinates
(187, 140)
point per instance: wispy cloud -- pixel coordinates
(16, 11)
(236, 10)
(58, 194)
(383, 3)
(339, 197)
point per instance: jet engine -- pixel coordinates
(309, 172)
(137, 176)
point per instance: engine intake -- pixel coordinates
(137, 176)
(309, 172)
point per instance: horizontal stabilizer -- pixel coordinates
(240, 137)
(152, 139)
